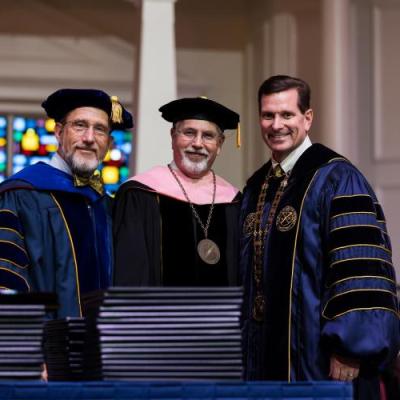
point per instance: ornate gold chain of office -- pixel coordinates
(260, 233)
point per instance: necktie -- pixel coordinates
(278, 172)
(95, 182)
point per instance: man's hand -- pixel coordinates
(343, 369)
(44, 376)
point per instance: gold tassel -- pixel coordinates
(238, 138)
(116, 110)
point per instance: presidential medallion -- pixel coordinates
(286, 219)
(208, 251)
(248, 225)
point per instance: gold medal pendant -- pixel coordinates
(208, 251)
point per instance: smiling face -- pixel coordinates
(195, 145)
(83, 149)
(283, 126)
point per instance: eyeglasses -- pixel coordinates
(206, 137)
(80, 127)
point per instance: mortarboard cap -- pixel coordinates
(61, 102)
(204, 109)
(201, 108)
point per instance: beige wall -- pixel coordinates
(32, 66)
(378, 85)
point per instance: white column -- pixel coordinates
(156, 84)
(336, 64)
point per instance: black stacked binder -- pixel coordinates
(165, 333)
(64, 345)
(22, 317)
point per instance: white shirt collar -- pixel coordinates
(58, 162)
(288, 163)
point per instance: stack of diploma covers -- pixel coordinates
(165, 333)
(22, 317)
(67, 358)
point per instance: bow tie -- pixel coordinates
(95, 182)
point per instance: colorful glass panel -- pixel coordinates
(115, 167)
(33, 141)
(3, 147)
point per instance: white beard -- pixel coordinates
(195, 168)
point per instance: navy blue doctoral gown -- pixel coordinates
(328, 279)
(54, 237)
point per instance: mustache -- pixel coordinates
(87, 148)
(199, 152)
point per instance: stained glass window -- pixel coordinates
(33, 141)
(3, 147)
(115, 167)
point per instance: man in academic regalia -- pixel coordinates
(176, 225)
(55, 219)
(320, 287)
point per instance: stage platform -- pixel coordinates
(174, 390)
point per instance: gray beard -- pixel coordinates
(81, 168)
